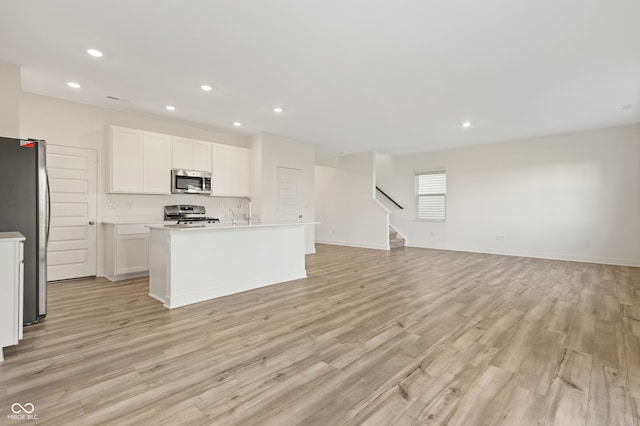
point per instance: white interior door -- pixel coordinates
(289, 187)
(71, 252)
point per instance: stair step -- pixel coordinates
(396, 244)
(395, 240)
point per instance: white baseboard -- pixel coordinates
(123, 277)
(536, 255)
(351, 244)
(158, 298)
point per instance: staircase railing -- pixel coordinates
(389, 198)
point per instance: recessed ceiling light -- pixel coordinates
(237, 123)
(74, 85)
(170, 107)
(277, 109)
(466, 124)
(95, 53)
(206, 87)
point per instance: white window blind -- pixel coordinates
(431, 191)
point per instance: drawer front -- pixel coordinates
(131, 229)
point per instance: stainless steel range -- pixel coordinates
(187, 214)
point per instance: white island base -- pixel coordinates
(193, 264)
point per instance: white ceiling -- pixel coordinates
(352, 75)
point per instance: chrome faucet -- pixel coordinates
(249, 219)
(233, 220)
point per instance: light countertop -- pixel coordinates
(131, 221)
(11, 236)
(226, 226)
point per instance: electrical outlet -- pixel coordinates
(499, 237)
(587, 243)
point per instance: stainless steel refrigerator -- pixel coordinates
(24, 207)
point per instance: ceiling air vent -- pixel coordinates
(113, 98)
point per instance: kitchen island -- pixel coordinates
(190, 264)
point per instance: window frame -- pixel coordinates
(417, 174)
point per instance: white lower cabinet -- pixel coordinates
(11, 289)
(126, 251)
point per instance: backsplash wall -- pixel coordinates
(150, 207)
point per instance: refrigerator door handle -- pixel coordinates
(48, 209)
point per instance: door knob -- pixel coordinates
(91, 222)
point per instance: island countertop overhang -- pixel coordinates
(226, 226)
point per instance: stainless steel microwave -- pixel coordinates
(190, 182)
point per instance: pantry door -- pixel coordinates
(289, 199)
(71, 252)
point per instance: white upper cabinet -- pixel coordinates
(140, 162)
(191, 154)
(231, 174)
(156, 163)
(125, 156)
(202, 156)
(182, 153)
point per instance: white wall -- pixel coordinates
(573, 196)
(346, 206)
(72, 124)
(271, 152)
(9, 100)
(548, 197)
(385, 181)
(255, 142)
(328, 160)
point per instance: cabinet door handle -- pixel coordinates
(91, 222)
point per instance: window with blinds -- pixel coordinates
(431, 191)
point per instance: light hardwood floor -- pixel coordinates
(406, 337)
